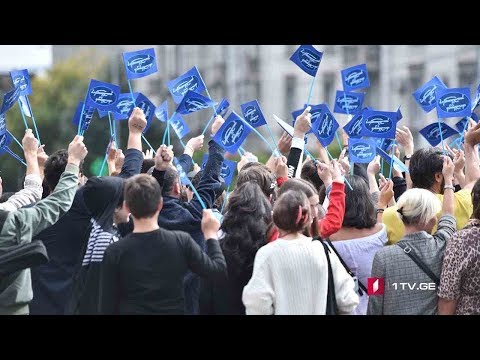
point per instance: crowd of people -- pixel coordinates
(290, 238)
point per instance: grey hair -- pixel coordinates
(417, 206)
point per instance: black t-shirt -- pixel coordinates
(143, 272)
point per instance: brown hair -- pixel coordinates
(291, 211)
(476, 200)
(309, 190)
(142, 195)
(260, 174)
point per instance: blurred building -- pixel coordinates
(245, 72)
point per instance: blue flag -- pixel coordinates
(222, 108)
(425, 94)
(161, 112)
(361, 150)
(253, 114)
(354, 126)
(190, 81)
(399, 114)
(383, 144)
(5, 140)
(325, 128)
(3, 124)
(86, 116)
(9, 99)
(192, 102)
(348, 102)
(179, 126)
(123, 108)
(148, 109)
(355, 77)
(232, 133)
(476, 99)
(140, 63)
(432, 133)
(307, 58)
(461, 125)
(453, 102)
(102, 96)
(384, 155)
(381, 124)
(228, 169)
(181, 173)
(21, 79)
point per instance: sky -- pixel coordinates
(32, 57)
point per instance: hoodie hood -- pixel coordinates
(102, 195)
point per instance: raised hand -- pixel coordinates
(284, 143)
(472, 136)
(386, 194)
(448, 169)
(344, 163)
(217, 124)
(163, 158)
(77, 151)
(30, 144)
(281, 166)
(148, 154)
(137, 121)
(210, 225)
(336, 171)
(41, 156)
(374, 166)
(196, 143)
(302, 123)
(405, 139)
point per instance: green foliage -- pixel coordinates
(53, 101)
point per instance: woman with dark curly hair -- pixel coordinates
(246, 221)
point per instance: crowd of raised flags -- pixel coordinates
(370, 132)
(364, 123)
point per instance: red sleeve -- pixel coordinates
(281, 180)
(273, 234)
(332, 222)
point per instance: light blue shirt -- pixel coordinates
(358, 255)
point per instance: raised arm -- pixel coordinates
(295, 157)
(47, 211)
(405, 140)
(472, 161)
(333, 220)
(133, 155)
(372, 170)
(32, 191)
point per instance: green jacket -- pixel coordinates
(21, 226)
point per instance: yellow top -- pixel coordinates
(463, 211)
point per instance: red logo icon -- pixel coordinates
(376, 286)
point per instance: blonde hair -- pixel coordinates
(417, 206)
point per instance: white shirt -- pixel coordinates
(290, 277)
(31, 193)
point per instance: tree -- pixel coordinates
(53, 101)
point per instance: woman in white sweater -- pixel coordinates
(290, 275)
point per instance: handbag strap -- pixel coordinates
(408, 250)
(331, 297)
(350, 272)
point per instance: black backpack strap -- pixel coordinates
(408, 250)
(350, 272)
